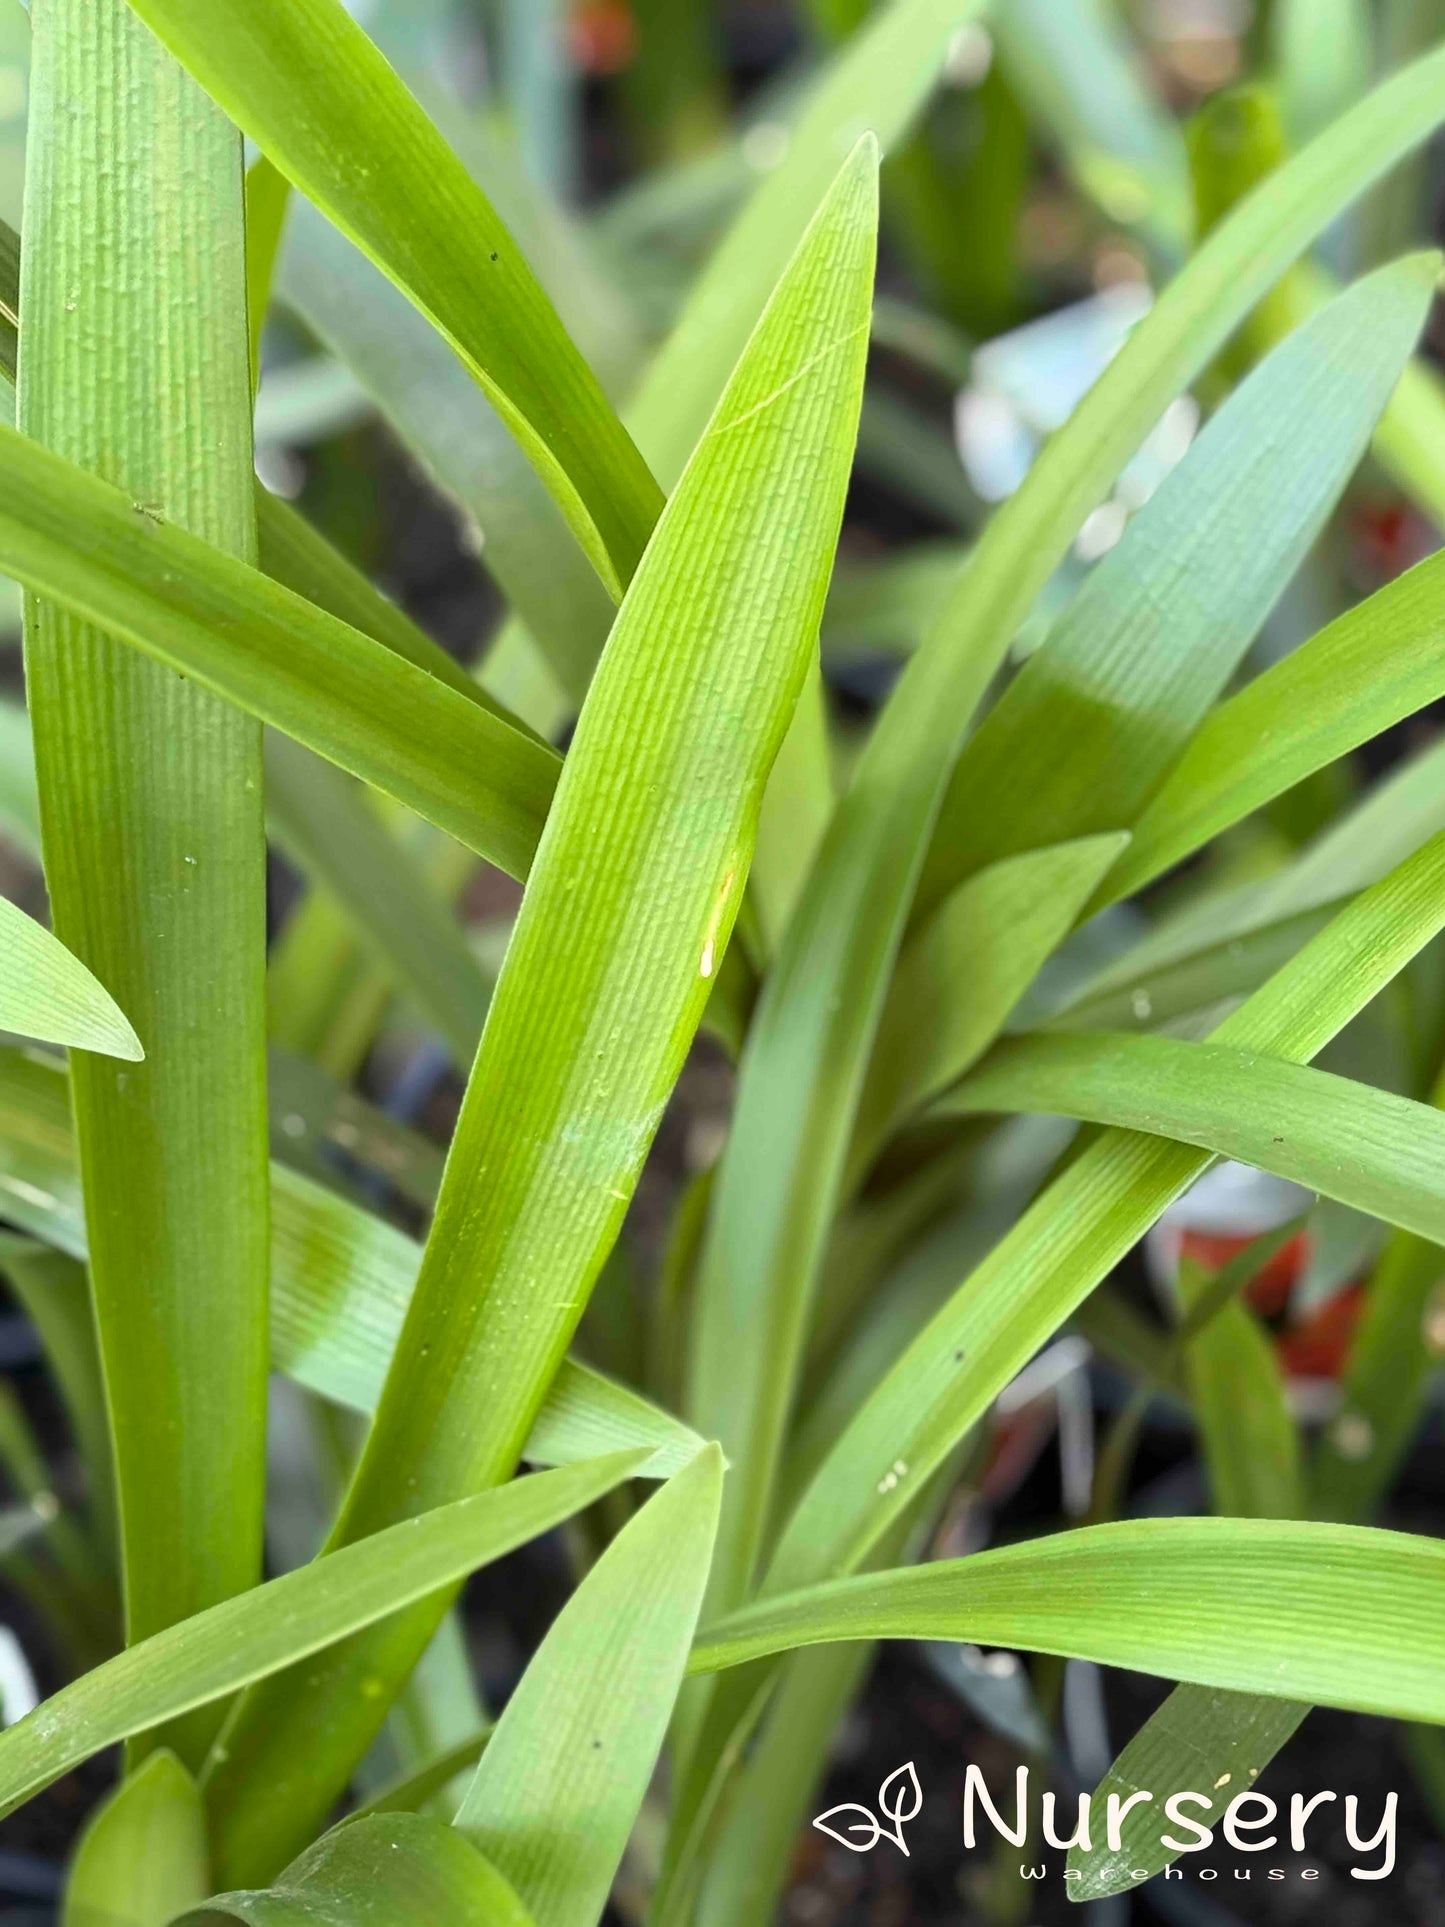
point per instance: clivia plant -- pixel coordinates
(1090, 856)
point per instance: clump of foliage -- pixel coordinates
(1091, 857)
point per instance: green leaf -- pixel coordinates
(55, 1291)
(1223, 941)
(781, 1174)
(218, 1651)
(1215, 1742)
(1158, 628)
(341, 1281)
(559, 1787)
(1376, 664)
(1337, 1615)
(19, 798)
(620, 934)
(1382, 1154)
(318, 98)
(956, 986)
(268, 194)
(1076, 1231)
(142, 1857)
(136, 365)
(1251, 1444)
(413, 1790)
(458, 438)
(878, 81)
(330, 828)
(148, 582)
(1398, 1344)
(1325, 53)
(393, 1870)
(46, 992)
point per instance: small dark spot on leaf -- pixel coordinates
(958, 1358)
(597, 1745)
(494, 254)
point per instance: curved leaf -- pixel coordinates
(359, 703)
(314, 93)
(1075, 1232)
(48, 993)
(142, 1856)
(341, 1281)
(215, 1652)
(557, 1793)
(392, 1870)
(1383, 1154)
(621, 932)
(1337, 1615)
(781, 1174)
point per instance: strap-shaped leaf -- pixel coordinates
(1152, 638)
(214, 1653)
(142, 1857)
(1214, 1742)
(1338, 1615)
(120, 565)
(1376, 664)
(314, 93)
(392, 1870)
(956, 986)
(1076, 1231)
(1219, 943)
(620, 935)
(136, 366)
(46, 992)
(1381, 1153)
(557, 1793)
(1250, 1441)
(341, 1281)
(811, 1035)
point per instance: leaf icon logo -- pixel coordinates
(900, 1799)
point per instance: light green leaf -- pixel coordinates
(1224, 941)
(19, 798)
(341, 1281)
(1251, 1443)
(956, 986)
(1325, 54)
(1213, 1742)
(218, 1651)
(142, 1857)
(307, 85)
(781, 1174)
(621, 932)
(268, 194)
(136, 366)
(46, 992)
(1076, 1231)
(1337, 1615)
(456, 435)
(393, 1870)
(1382, 1154)
(119, 564)
(1371, 667)
(330, 828)
(557, 1793)
(1156, 631)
